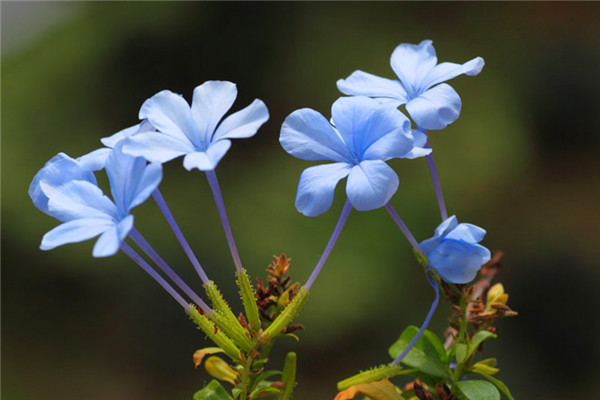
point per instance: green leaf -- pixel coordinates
(499, 384)
(477, 390)
(477, 339)
(372, 375)
(428, 354)
(461, 352)
(288, 377)
(484, 368)
(264, 388)
(212, 391)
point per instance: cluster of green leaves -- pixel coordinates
(450, 371)
(248, 338)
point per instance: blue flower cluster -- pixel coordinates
(365, 131)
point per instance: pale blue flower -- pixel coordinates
(87, 212)
(195, 131)
(430, 103)
(364, 135)
(454, 252)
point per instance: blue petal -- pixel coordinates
(81, 199)
(361, 83)
(308, 135)
(207, 160)
(111, 141)
(412, 63)
(467, 232)
(157, 146)
(371, 184)
(145, 184)
(244, 123)
(59, 170)
(436, 108)
(108, 243)
(457, 261)
(428, 245)
(445, 71)
(95, 160)
(171, 114)
(316, 187)
(211, 101)
(75, 231)
(420, 148)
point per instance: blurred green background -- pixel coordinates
(521, 161)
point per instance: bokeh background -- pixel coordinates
(521, 161)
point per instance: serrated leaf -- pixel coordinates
(428, 354)
(476, 390)
(372, 375)
(380, 390)
(499, 384)
(212, 391)
(477, 339)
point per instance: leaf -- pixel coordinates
(428, 354)
(263, 388)
(288, 377)
(380, 390)
(477, 390)
(484, 368)
(219, 369)
(199, 354)
(499, 384)
(477, 339)
(372, 375)
(212, 391)
(461, 352)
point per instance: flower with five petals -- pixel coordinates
(430, 103)
(363, 136)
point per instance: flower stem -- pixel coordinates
(214, 186)
(160, 201)
(435, 178)
(161, 281)
(332, 240)
(409, 236)
(434, 305)
(139, 240)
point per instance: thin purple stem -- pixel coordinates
(139, 240)
(409, 236)
(434, 305)
(214, 186)
(160, 201)
(435, 178)
(332, 240)
(161, 281)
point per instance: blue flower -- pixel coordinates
(60, 170)
(195, 131)
(364, 135)
(431, 103)
(453, 251)
(87, 212)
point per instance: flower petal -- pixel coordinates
(108, 243)
(81, 199)
(211, 101)
(458, 261)
(95, 160)
(207, 160)
(445, 71)
(361, 83)
(146, 184)
(244, 123)
(316, 187)
(420, 148)
(371, 184)
(59, 170)
(157, 146)
(436, 108)
(170, 113)
(144, 126)
(74, 231)
(428, 245)
(467, 232)
(308, 135)
(411, 62)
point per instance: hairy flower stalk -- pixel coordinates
(214, 186)
(162, 205)
(139, 240)
(161, 281)
(432, 309)
(436, 179)
(332, 241)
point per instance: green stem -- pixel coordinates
(244, 380)
(462, 335)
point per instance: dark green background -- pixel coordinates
(521, 161)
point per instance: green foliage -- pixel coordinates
(476, 390)
(212, 391)
(428, 354)
(288, 377)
